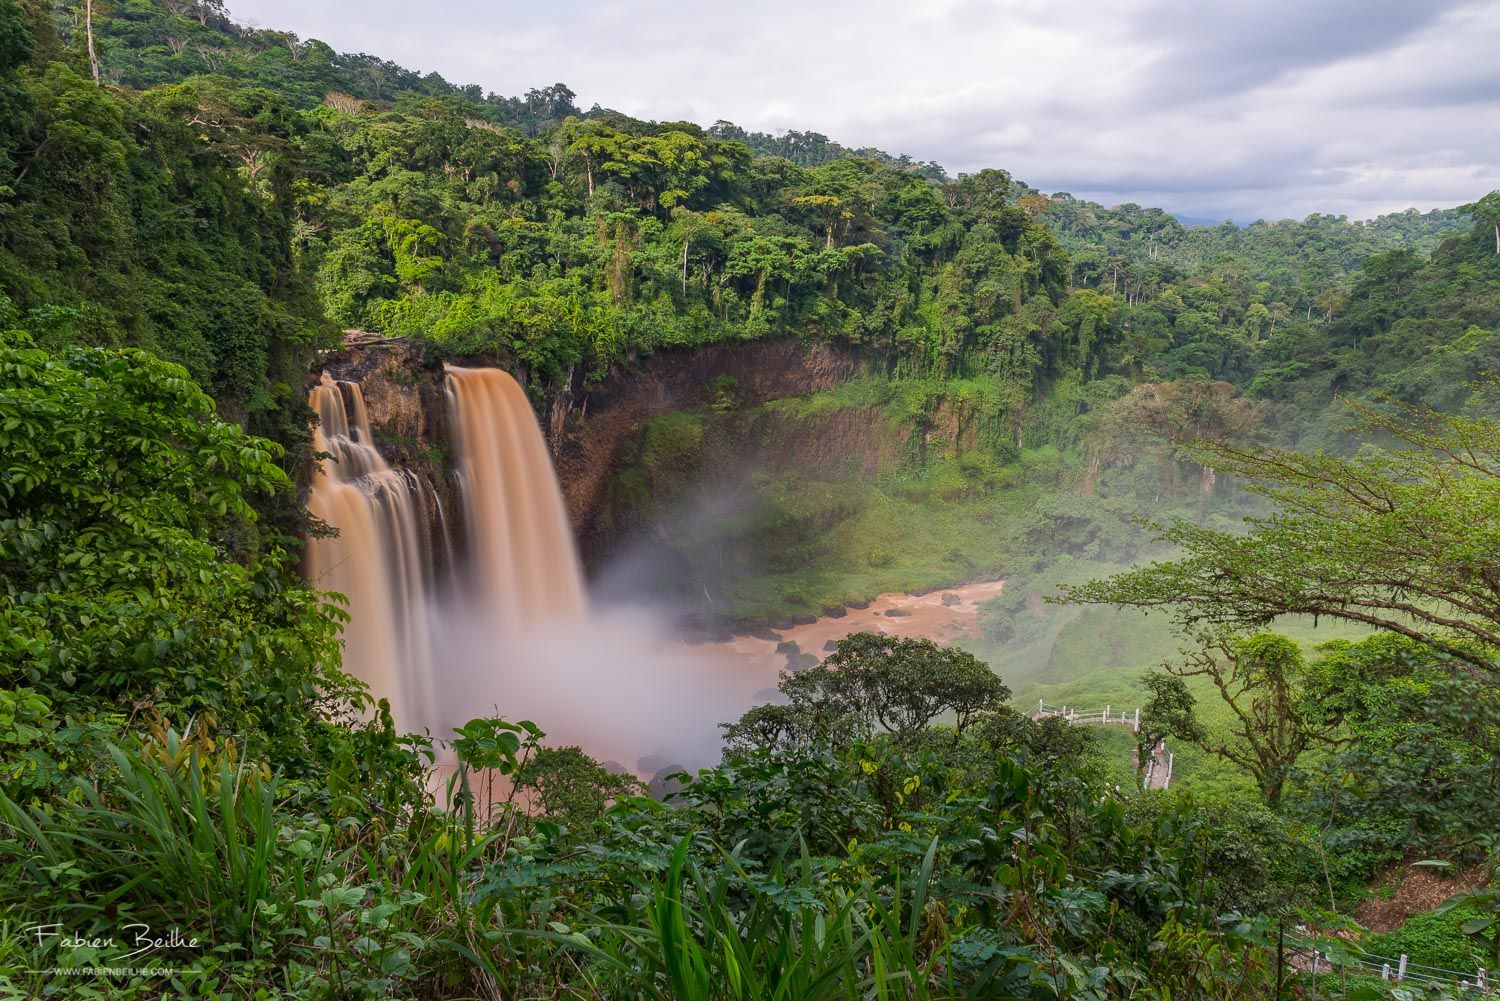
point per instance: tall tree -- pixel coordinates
(88, 32)
(1264, 682)
(1403, 536)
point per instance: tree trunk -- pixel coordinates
(88, 30)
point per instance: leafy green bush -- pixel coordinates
(136, 575)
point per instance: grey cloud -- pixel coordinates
(1218, 48)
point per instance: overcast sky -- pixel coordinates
(1212, 108)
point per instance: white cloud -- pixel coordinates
(1272, 108)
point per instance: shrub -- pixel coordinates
(1431, 939)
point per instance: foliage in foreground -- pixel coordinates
(967, 867)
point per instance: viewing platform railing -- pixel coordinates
(1158, 771)
(1108, 715)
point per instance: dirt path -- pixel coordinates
(1406, 889)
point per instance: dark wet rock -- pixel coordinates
(696, 628)
(663, 784)
(801, 662)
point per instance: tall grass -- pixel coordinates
(182, 835)
(163, 840)
(715, 933)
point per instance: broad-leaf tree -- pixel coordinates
(873, 683)
(134, 571)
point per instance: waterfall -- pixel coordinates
(510, 631)
(521, 552)
(379, 560)
(520, 557)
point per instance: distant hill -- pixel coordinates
(1191, 221)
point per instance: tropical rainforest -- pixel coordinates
(1246, 478)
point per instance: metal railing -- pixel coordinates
(1399, 969)
(1107, 715)
(1158, 770)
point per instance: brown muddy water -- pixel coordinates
(944, 616)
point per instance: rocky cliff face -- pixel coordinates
(404, 394)
(599, 432)
(407, 404)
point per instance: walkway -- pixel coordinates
(1158, 773)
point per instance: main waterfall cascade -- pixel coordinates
(521, 548)
(505, 627)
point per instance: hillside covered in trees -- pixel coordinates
(574, 240)
(193, 213)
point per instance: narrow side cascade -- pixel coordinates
(379, 559)
(520, 546)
